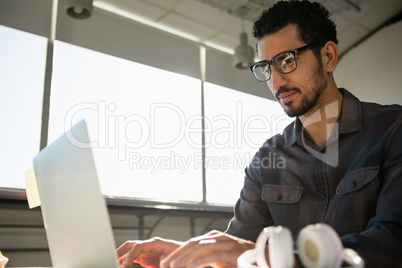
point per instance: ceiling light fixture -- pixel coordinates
(79, 9)
(244, 54)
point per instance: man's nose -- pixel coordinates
(277, 80)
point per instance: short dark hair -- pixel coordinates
(312, 20)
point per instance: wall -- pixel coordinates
(372, 70)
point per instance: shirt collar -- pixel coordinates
(350, 119)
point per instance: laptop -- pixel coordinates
(74, 211)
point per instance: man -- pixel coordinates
(343, 157)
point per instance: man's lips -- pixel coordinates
(286, 96)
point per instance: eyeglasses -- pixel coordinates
(284, 62)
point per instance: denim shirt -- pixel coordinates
(353, 183)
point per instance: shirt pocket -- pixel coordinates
(357, 196)
(283, 202)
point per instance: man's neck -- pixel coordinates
(319, 122)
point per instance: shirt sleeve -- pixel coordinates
(251, 214)
(380, 245)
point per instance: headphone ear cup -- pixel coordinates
(280, 248)
(319, 246)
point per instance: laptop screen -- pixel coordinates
(75, 215)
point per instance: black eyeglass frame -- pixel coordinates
(293, 51)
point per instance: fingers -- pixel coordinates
(125, 247)
(147, 253)
(133, 254)
(188, 255)
(215, 259)
(216, 249)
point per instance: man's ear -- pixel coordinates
(329, 55)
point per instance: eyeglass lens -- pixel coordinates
(284, 63)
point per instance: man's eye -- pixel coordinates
(288, 63)
(289, 59)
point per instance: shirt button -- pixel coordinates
(353, 184)
(279, 197)
(323, 195)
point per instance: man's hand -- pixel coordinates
(215, 249)
(147, 253)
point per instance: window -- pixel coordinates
(237, 125)
(143, 121)
(22, 71)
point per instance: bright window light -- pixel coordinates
(143, 122)
(22, 71)
(237, 125)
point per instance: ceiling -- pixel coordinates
(218, 23)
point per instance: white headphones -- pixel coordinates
(317, 246)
